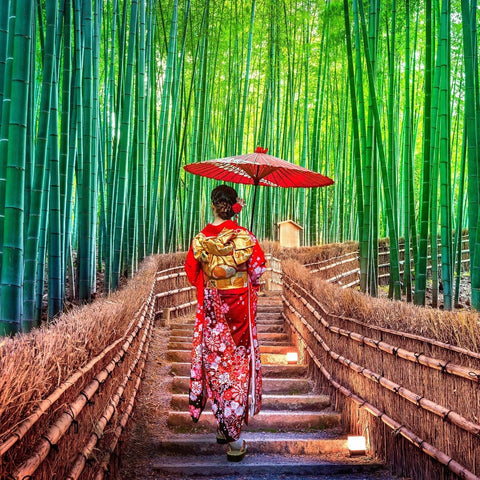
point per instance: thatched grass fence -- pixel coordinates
(405, 377)
(340, 263)
(68, 389)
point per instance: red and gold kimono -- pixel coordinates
(225, 263)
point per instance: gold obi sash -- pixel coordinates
(223, 258)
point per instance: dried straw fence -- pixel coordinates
(340, 263)
(67, 390)
(415, 399)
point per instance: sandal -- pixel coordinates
(237, 455)
(221, 438)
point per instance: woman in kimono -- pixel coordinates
(225, 263)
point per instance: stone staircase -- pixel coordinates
(296, 435)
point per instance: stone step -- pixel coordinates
(279, 359)
(280, 341)
(268, 371)
(266, 336)
(296, 443)
(277, 320)
(265, 421)
(257, 466)
(273, 337)
(182, 323)
(274, 300)
(278, 327)
(178, 339)
(181, 332)
(270, 354)
(269, 312)
(285, 386)
(293, 403)
(271, 293)
(277, 349)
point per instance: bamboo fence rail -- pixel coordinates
(103, 393)
(49, 440)
(426, 399)
(99, 428)
(337, 268)
(443, 412)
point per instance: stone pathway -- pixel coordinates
(296, 435)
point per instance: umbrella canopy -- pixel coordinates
(259, 168)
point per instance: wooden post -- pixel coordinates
(167, 316)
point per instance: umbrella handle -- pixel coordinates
(253, 205)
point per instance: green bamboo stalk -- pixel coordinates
(65, 158)
(124, 152)
(458, 230)
(86, 240)
(392, 164)
(391, 219)
(472, 122)
(172, 182)
(241, 125)
(39, 182)
(41, 253)
(11, 308)
(371, 159)
(421, 264)
(110, 137)
(163, 132)
(5, 118)
(55, 231)
(168, 149)
(434, 174)
(141, 129)
(4, 21)
(365, 244)
(407, 161)
(445, 154)
(96, 134)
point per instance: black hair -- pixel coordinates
(223, 197)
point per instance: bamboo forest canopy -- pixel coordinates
(103, 101)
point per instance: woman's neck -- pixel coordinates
(217, 220)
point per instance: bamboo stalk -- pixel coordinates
(170, 276)
(174, 292)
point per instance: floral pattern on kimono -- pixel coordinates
(222, 365)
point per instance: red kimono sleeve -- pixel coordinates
(256, 265)
(194, 273)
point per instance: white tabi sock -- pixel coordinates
(237, 444)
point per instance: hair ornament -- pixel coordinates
(237, 208)
(238, 205)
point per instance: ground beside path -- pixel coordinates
(296, 423)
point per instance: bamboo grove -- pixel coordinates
(103, 101)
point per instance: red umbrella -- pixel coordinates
(258, 168)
